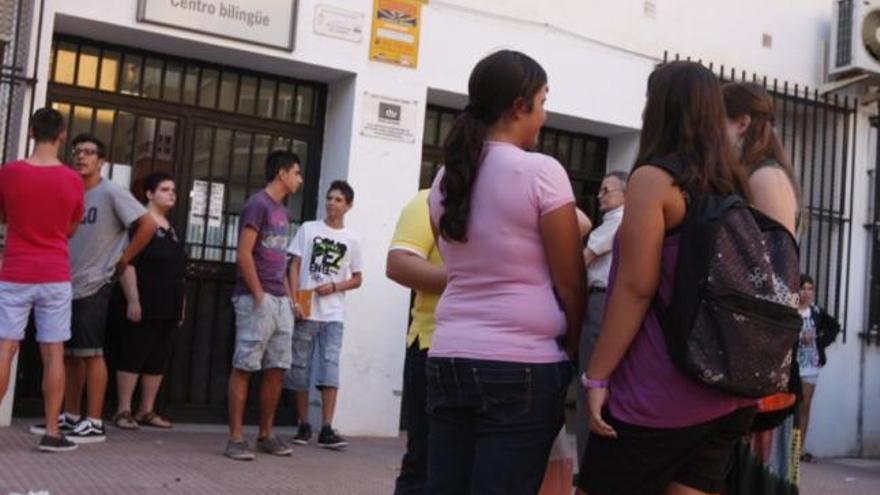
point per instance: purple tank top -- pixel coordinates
(646, 388)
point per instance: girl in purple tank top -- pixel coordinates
(662, 432)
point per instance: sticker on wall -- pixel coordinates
(389, 118)
(339, 23)
(395, 32)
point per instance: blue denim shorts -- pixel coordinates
(262, 335)
(326, 337)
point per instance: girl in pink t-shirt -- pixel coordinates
(510, 317)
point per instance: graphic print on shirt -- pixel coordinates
(90, 216)
(808, 353)
(327, 257)
(274, 236)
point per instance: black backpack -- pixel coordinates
(733, 319)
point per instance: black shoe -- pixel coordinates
(303, 434)
(328, 439)
(66, 424)
(87, 431)
(56, 444)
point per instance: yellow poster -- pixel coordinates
(395, 33)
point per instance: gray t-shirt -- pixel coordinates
(101, 237)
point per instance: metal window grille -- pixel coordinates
(819, 135)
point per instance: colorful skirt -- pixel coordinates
(767, 462)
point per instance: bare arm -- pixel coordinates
(412, 271)
(293, 284)
(773, 194)
(559, 235)
(329, 288)
(246, 265)
(650, 199)
(145, 229)
(128, 281)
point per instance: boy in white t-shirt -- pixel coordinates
(326, 263)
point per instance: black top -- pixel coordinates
(160, 269)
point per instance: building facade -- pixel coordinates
(198, 88)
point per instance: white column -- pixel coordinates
(6, 402)
(385, 176)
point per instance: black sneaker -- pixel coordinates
(303, 434)
(87, 431)
(66, 424)
(328, 439)
(56, 444)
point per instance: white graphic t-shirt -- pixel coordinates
(808, 353)
(327, 255)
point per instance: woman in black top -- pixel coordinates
(154, 291)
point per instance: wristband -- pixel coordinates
(588, 383)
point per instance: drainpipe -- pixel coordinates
(872, 334)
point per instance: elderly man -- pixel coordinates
(597, 257)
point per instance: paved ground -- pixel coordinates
(188, 461)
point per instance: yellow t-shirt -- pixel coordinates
(413, 233)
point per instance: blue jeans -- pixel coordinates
(414, 465)
(327, 336)
(492, 424)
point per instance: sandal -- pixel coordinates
(153, 420)
(124, 421)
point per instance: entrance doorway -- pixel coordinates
(211, 127)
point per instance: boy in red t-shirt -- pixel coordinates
(41, 202)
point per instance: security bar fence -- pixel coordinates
(819, 135)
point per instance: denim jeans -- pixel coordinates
(492, 424)
(414, 466)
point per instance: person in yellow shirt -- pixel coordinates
(414, 262)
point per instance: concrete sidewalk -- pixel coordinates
(188, 460)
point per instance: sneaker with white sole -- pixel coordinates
(274, 445)
(328, 439)
(66, 424)
(303, 434)
(87, 431)
(56, 444)
(239, 451)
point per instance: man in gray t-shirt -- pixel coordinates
(99, 250)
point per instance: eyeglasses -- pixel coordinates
(605, 191)
(84, 151)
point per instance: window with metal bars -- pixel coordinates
(126, 71)
(584, 156)
(818, 132)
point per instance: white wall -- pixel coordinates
(723, 31)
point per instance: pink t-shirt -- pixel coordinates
(499, 302)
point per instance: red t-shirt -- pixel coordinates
(39, 204)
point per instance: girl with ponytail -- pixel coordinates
(509, 320)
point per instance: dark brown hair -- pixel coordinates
(684, 118)
(496, 83)
(760, 142)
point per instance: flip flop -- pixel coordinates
(153, 420)
(124, 421)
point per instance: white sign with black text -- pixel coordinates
(389, 118)
(262, 22)
(339, 23)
